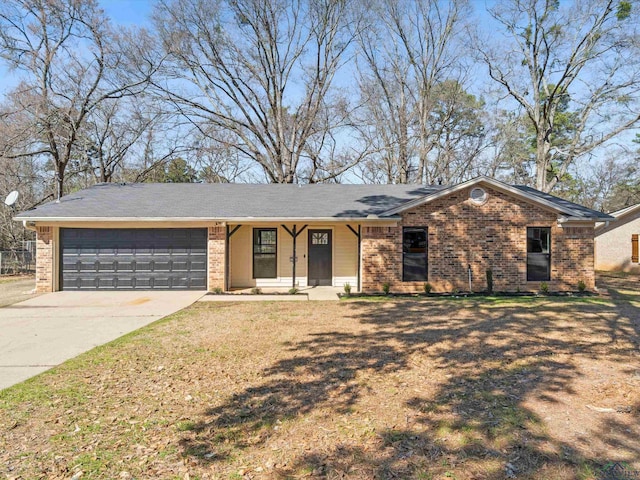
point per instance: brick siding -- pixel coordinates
(45, 252)
(216, 257)
(489, 236)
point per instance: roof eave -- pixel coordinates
(368, 218)
(583, 219)
(624, 212)
(495, 184)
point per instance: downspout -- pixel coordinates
(358, 235)
(227, 273)
(29, 225)
(359, 254)
(295, 259)
(226, 259)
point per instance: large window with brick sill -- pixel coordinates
(538, 254)
(414, 254)
(265, 242)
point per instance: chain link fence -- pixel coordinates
(13, 262)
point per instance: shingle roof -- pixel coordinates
(211, 201)
(264, 201)
(562, 203)
(626, 210)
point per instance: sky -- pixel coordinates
(121, 12)
(137, 12)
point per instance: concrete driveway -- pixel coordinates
(43, 332)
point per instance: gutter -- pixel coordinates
(572, 220)
(27, 224)
(222, 220)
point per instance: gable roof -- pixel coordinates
(623, 212)
(264, 202)
(560, 205)
(621, 217)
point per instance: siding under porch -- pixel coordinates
(344, 256)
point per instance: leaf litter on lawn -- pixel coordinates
(425, 388)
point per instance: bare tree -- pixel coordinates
(410, 55)
(260, 70)
(217, 160)
(112, 132)
(72, 62)
(573, 68)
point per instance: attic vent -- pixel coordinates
(478, 196)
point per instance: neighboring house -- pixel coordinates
(617, 242)
(227, 236)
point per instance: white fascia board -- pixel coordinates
(562, 220)
(498, 185)
(626, 211)
(234, 220)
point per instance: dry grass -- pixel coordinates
(16, 288)
(466, 389)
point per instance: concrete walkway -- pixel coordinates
(43, 332)
(278, 295)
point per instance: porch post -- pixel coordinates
(294, 235)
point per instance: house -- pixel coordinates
(227, 236)
(617, 243)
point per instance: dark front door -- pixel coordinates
(320, 244)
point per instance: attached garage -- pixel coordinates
(132, 259)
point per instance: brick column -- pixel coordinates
(573, 258)
(44, 259)
(381, 260)
(216, 257)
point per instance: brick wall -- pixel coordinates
(216, 250)
(45, 252)
(492, 235)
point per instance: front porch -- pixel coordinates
(278, 294)
(282, 256)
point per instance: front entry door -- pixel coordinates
(320, 272)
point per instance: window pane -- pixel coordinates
(264, 253)
(538, 267)
(264, 266)
(538, 240)
(414, 267)
(414, 257)
(538, 254)
(267, 237)
(320, 238)
(414, 240)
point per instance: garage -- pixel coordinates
(133, 259)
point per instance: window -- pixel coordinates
(478, 196)
(264, 252)
(414, 254)
(320, 238)
(538, 254)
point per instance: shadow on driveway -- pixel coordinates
(43, 332)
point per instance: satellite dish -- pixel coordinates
(11, 198)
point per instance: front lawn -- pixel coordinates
(428, 388)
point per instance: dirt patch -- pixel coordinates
(16, 289)
(446, 388)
